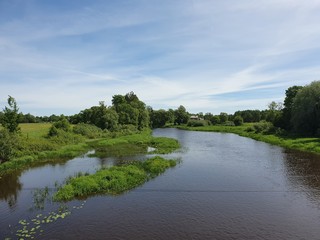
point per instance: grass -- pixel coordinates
(34, 130)
(114, 180)
(286, 141)
(134, 144)
(35, 148)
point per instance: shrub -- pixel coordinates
(262, 127)
(238, 121)
(229, 123)
(8, 145)
(62, 124)
(87, 130)
(197, 123)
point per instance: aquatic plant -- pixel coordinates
(114, 180)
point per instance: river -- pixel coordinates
(225, 187)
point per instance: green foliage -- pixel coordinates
(157, 165)
(261, 127)
(285, 121)
(136, 143)
(59, 126)
(8, 145)
(87, 130)
(249, 115)
(10, 118)
(215, 120)
(229, 123)
(306, 110)
(276, 138)
(114, 180)
(223, 117)
(131, 110)
(197, 123)
(181, 115)
(238, 121)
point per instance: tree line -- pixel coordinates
(299, 113)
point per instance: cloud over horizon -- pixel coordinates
(210, 56)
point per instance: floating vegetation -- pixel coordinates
(30, 229)
(114, 180)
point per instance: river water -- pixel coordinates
(225, 187)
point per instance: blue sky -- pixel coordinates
(210, 56)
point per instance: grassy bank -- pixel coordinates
(34, 147)
(286, 141)
(114, 180)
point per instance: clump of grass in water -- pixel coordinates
(39, 198)
(114, 180)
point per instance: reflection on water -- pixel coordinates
(227, 187)
(9, 188)
(303, 171)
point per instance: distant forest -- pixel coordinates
(299, 114)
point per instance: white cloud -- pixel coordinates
(169, 54)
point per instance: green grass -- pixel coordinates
(286, 141)
(114, 180)
(35, 148)
(35, 130)
(134, 144)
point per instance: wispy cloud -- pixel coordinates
(206, 55)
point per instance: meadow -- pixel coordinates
(35, 147)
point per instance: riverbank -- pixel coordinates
(36, 148)
(291, 142)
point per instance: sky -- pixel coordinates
(60, 57)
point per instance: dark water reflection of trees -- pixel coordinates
(9, 188)
(303, 171)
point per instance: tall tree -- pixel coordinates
(10, 118)
(181, 115)
(306, 110)
(291, 93)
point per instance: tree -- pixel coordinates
(223, 117)
(131, 110)
(238, 121)
(8, 144)
(10, 118)
(273, 113)
(215, 120)
(159, 118)
(291, 93)
(306, 110)
(181, 115)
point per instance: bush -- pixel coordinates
(8, 145)
(238, 121)
(64, 137)
(87, 130)
(63, 124)
(262, 127)
(229, 123)
(197, 123)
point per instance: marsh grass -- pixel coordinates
(114, 180)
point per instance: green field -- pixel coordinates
(286, 141)
(35, 147)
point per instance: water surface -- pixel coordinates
(226, 187)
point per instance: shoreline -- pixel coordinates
(304, 144)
